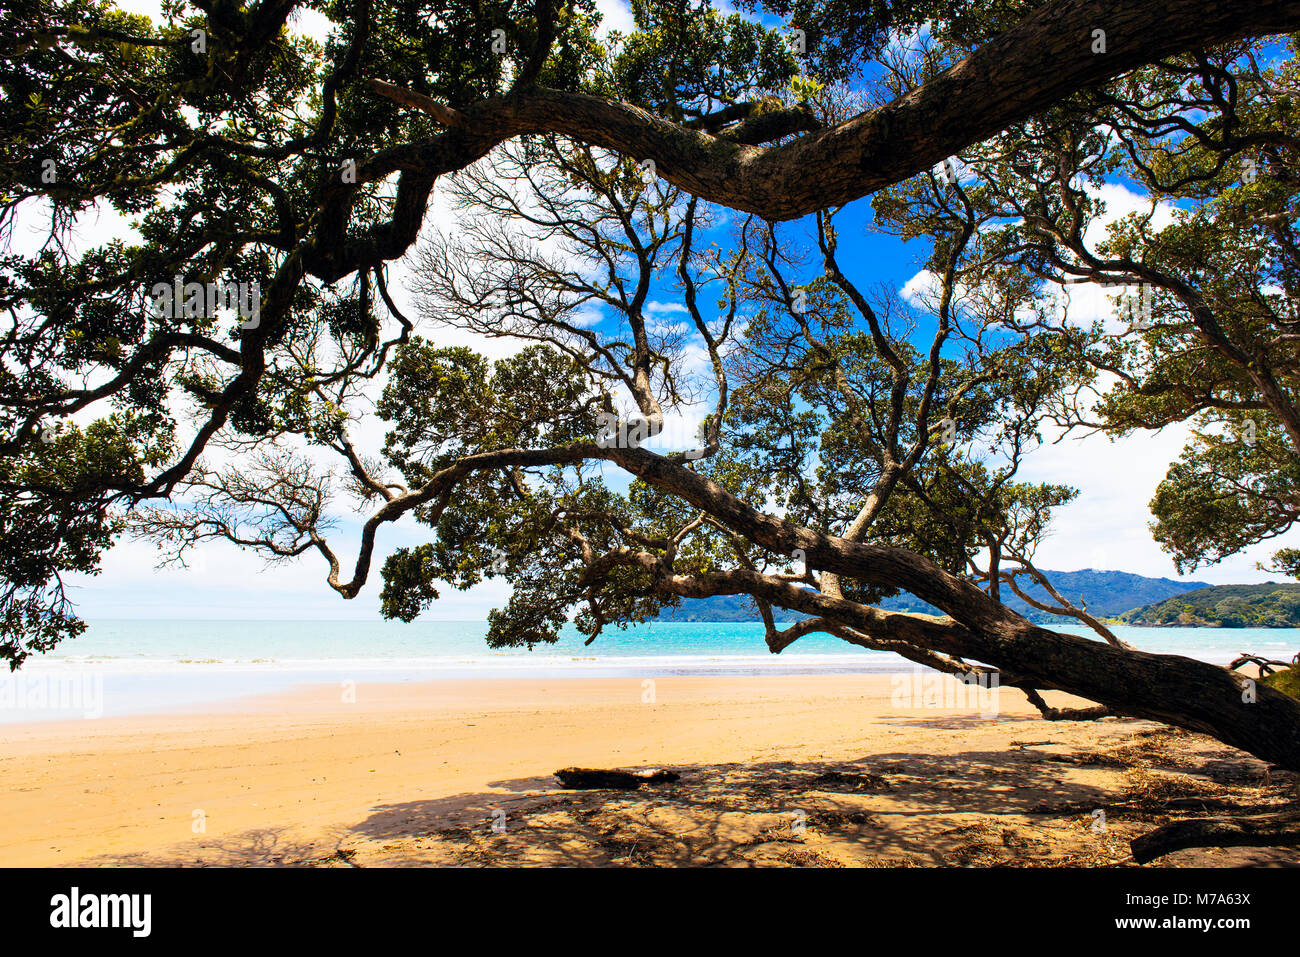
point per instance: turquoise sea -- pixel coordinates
(131, 666)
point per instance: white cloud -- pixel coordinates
(615, 15)
(1088, 302)
(227, 582)
(920, 289)
(656, 308)
(1084, 303)
(1120, 202)
(1107, 525)
(311, 23)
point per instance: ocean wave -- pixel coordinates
(181, 664)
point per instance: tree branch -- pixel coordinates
(1044, 59)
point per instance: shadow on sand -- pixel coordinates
(1032, 805)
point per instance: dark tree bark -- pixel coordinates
(1168, 688)
(1268, 830)
(1044, 59)
(1171, 689)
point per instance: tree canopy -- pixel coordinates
(204, 378)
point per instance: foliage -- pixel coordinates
(242, 152)
(1286, 681)
(1225, 606)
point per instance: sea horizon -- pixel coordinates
(138, 666)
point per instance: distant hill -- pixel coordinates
(1270, 605)
(1107, 594)
(718, 608)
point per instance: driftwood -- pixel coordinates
(1266, 666)
(1265, 830)
(580, 779)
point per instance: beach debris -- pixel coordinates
(850, 781)
(840, 819)
(586, 779)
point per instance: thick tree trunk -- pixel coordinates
(1053, 53)
(1170, 688)
(1039, 62)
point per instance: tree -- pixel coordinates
(256, 160)
(1209, 138)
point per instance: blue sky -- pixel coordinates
(1106, 527)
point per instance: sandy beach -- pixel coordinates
(821, 771)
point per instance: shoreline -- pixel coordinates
(418, 772)
(95, 689)
(54, 688)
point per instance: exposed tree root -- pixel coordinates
(1266, 830)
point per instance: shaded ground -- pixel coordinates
(970, 808)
